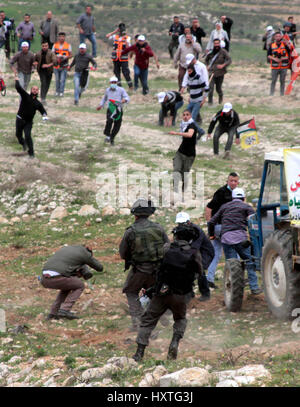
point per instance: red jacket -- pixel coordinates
(141, 58)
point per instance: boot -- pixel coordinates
(173, 348)
(139, 354)
(220, 100)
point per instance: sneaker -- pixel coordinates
(66, 314)
(51, 316)
(61, 95)
(107, 139)
(56, 94)
(112, 143)
(212, 285)
(257, 291)
(204, 298)
(25, 147)
(31, 156)
(76, 102)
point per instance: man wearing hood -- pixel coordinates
(217, 61)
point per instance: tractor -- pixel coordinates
(275, 246)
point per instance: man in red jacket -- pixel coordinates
(142, 52)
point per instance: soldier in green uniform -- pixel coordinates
(142, 249)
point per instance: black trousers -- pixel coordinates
(7, 46)
(112, 127)
(203, 285)
(45, 78)
(122, 66)
(23, 125)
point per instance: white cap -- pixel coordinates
(82, 45)
(238, 193)
(182, 217)
(269, 28)
(24, 44)
(227, 107)
(113, 79)
(189, 58)
(161, 96)
(141, 38)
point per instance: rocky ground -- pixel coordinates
(51, 201)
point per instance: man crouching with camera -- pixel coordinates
(62, 272)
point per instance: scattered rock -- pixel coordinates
(108, 210)
(15, 359)
(245, 375)
(227, 383)
(39, 363)
(87, 210)
(15, 219)
(152, 379)
(50, 383)
(124, 211)
(6, 341)
(70, 381)
(25, 217)
(258, 341)
(98, 220)
(99, 372)
(4, 370)
(21, 210)
(3, 221)
(123, 362)
(59, 213)
(194, 376)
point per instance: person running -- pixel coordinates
(184, 49)
(86, 26)
(27, 109)
(45, 59)
(121, 41)
(115, 96)
(25, 31)
(228, 123)
(25, 61)
(81, 62)
(197, 31)
(185, 155)
(142, 52)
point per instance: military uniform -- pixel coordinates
(141, 247)
(177, 273)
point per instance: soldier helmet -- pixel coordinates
(143, 207)
(185, 232)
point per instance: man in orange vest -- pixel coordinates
(63, 52)
(121, 41)
(278, 55)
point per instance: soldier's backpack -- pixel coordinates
(148, 243)
(178, 268)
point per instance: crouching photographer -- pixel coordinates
(63, 271)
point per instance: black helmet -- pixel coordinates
(143, 207)
(185, 232)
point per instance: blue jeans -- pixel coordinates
(194, 108)
(232, 251)
(92, 39)
(20, 42)
(218, 252)
(77, 88)
(141, 74)
(60, 79)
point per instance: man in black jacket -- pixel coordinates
(227, 23)
(27, 109)
(170, 101)
(62, 272)
(228, 123)
(175, 31)
(174, 280)
(197, 31)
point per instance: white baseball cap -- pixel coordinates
(24, 44)
(161, 96)
(182, 217)
(238, 193)
(141, 38)
(227, 107)
(82, 45)
(113, 79)
(269, 28)
(189, 58)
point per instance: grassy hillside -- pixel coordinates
(70, 154)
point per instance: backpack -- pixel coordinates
(179, 268)
(148, 243)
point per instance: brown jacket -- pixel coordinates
(50, 58)
(222, 58)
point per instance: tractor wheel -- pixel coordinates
(281, 282)
(233, 285)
